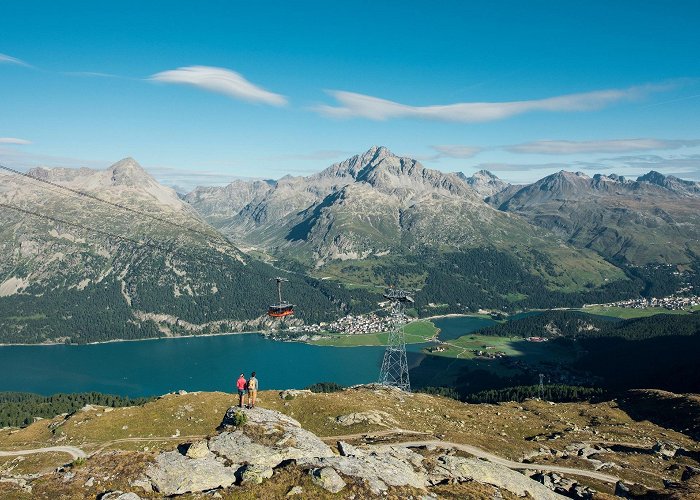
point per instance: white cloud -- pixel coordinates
(456, 151)
(4, 58)
(14, 140)
(222, 81)
(606, 146)
(373, 108)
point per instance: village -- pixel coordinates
(348, 325)
(672, 303)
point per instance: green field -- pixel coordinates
(416, 333)
(515, 348)
(629, 313)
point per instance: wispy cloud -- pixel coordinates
(4, 58)
(14, 140)
(456, 151)
(220, 80)
(373, 108)
(605, 146)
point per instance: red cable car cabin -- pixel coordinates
(282, 308)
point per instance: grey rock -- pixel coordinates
(622, 490)
(292, 442)
(119, 495)
(348, 450)
(142, 482)
(293, 393)
(295, 490)
(392, 466)
(198, 449)
(255, 474)
(666, 449)
(450, 468)
(373, 417)
(175, 474)
(328, 479)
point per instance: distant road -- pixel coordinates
(71, 450)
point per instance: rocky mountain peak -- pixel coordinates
(652, 177)
(670, 182)
(484, 183)
(128, 172)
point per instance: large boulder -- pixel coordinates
(454, 468)
(198, 449)
(269, 438)
(255, 474)
(328, 479)
(175, 474)
(391, 466)
(372, 417)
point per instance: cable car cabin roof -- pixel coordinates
(280, 310)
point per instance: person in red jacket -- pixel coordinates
(241, 386)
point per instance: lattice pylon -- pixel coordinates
(394, 371)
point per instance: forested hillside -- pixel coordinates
(21, 408)
(576, 325)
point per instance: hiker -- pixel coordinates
(240, 385)
(252, 390)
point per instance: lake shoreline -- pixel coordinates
(260, 332)
(113, 341)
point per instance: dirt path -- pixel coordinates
(182, 439)
(71, 450)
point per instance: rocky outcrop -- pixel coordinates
(250, 453)
(286, 440)
(391, 466)
(372, 417)
(451, 468)
(175, 474)
(294, 393)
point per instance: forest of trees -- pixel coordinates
(488, 278)
(229, 291)
(555, 393)
(18, 409)
(576, 325)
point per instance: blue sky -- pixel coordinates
(201, 92)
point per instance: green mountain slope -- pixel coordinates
(80, 270)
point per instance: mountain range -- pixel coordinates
(361, 218)
(148, 262)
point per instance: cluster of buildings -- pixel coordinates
(355, 325)
(672, 302)
(488, 354)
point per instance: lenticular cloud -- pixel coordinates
(220, 80)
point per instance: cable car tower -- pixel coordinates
(282, 308)
(394, 371)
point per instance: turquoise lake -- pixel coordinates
(154, 367)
